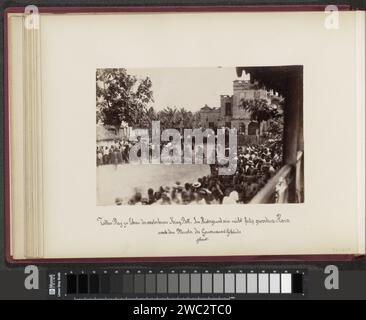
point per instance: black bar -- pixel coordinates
(83, 283)
(297, 283)
(71, 283)
(105, 284)
(94, 283)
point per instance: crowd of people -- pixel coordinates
(115, 153)
(256, 164)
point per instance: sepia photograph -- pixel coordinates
(191, 136)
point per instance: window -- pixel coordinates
(228, 110)
(252, 128)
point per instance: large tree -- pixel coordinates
(122, 98)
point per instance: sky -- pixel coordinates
(190, 88)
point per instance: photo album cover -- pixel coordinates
(180, 135)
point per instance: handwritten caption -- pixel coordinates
(200, 227)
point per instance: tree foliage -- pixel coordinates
(176, 118)
(122, 98)
(261, 110)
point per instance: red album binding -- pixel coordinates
(175, 259)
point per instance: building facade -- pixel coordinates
(232, 114)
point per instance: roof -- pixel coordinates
(273, 77)
(206, 108)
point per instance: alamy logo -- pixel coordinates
(31, 281)
(331, 21)
(178, 148)
(331, 281)
(31, 20)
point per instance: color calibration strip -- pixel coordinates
(174, 284)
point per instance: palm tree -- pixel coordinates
(151, 115)
(168, 117)
(186, 118)
(176, 118)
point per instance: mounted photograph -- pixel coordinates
(188, 136)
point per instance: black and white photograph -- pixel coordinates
(188, 136)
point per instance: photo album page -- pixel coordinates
(201, 134)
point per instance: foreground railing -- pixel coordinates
(300, 177)
(278, 188)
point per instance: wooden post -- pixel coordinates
(292, 114)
